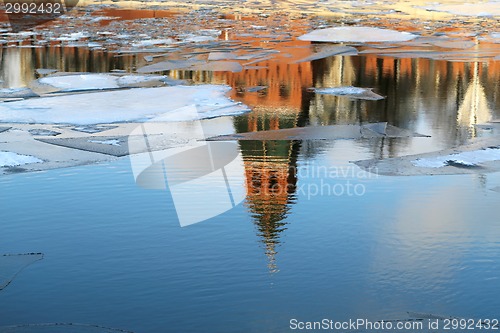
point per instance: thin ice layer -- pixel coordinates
(468, 158)
(134, 105)
(10, 159)
(12, 264)
(357, 34)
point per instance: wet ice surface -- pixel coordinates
(11, 159)
(12, 264)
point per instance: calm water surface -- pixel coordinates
(116, 256)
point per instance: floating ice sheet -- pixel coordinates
(12, 264)
(357, 34)
(11, 159)
(138, 104)
(60, 328)
(352, 92)
(332, 132)
(4, 129)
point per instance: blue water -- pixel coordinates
(116, 256)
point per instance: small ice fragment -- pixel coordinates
(353, 92)
(219, 66)
(357, 34)
(464, 159)
(330, 51)
(153, 42)
(256, 88)
(10, 159)
(113, 142)
(128, 80)
(17, 93)
(221, 56)
(45, 71)
(43, 132)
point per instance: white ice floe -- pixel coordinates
(480, 9)
(130, 105)
(112, 142)
(353, 92)
(96, 81)
(357, 34)
(10, 159)
(467, 159)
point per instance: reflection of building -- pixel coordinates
(270, 171)
(474, 108)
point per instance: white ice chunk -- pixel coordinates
(357, 34)
(10, 159)
(354, 92)
(122, 106)
(468, 158)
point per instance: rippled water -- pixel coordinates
(116, 256)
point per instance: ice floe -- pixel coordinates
(357, 34)
(11, 159)
(138, 104)
(352, 92)
(466, 159)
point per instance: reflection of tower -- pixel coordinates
(271, 179)
(474, 108)
(270, 172)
